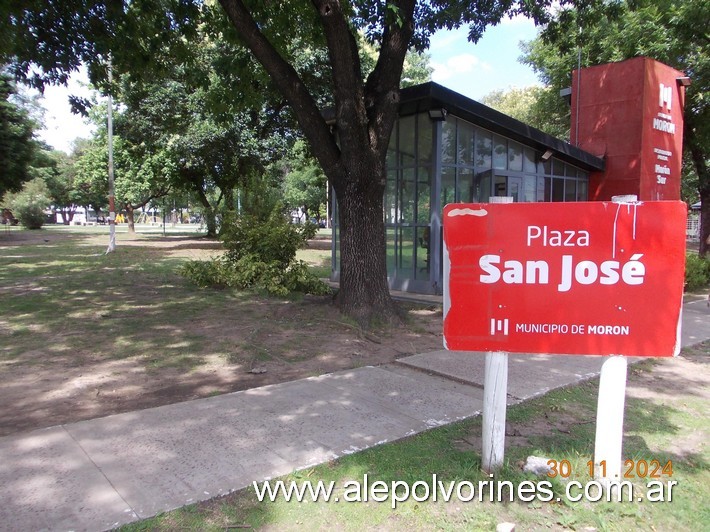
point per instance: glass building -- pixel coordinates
(447, 148)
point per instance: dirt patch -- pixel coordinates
(119, 342)
(679, 383)
(518, 434)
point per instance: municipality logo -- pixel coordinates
(665, 96)
(499, 326)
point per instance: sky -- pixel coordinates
(61, 125)
(473, 70)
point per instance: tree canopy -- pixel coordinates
(533, 106)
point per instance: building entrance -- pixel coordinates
(507, 186)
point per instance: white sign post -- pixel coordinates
(495, 399)
(495, 392)
(611, 402)
(610, 421)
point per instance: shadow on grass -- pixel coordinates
(87, 322)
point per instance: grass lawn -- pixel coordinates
(85, 334)
(665, 421)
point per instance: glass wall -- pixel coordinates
(477, 164)
(408, 199)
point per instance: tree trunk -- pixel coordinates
(704, 221)
(364, 292)
(365, 114)
(328, 221)
(698, 154)
(209, 213)
(229, 204)
(131, 220)
(210, 222)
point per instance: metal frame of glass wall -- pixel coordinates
(431, 163)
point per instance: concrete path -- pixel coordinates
(101, 473)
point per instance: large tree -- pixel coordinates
(57, 35)
(221, 126)
(670, 31)
(142, 175)
(365, 108)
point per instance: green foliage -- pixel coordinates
(29, 204)
(142, 172)
(305, 185)
(207, 274)
(415, 70)
(535, 106)
(697, 272)
(269, 239)
(17, 149)
(261, 255)
(59, 173)
(91, 167)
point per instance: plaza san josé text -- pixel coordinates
(565, 276)
(585, 272)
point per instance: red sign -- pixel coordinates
(567, 278)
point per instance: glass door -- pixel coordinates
(508, 186)
(515, 188)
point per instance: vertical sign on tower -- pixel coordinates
(662, 152)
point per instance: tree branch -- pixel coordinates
(382, 88)
(349, 93)
(288, 82)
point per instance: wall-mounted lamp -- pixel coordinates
(546, 156)
(566, 95)
(438, 114)
(683, 81)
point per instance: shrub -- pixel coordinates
(261, 255)
(697, 272)
(206, 274)
(29, 204)
(269, 238)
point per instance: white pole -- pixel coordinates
(495, 399)
(111, 186)
(610, 421)
(495, 391)
(609, 435)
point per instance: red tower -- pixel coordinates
(631, 114)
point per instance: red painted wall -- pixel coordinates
(631, 113)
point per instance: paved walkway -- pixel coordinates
(105, 472)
